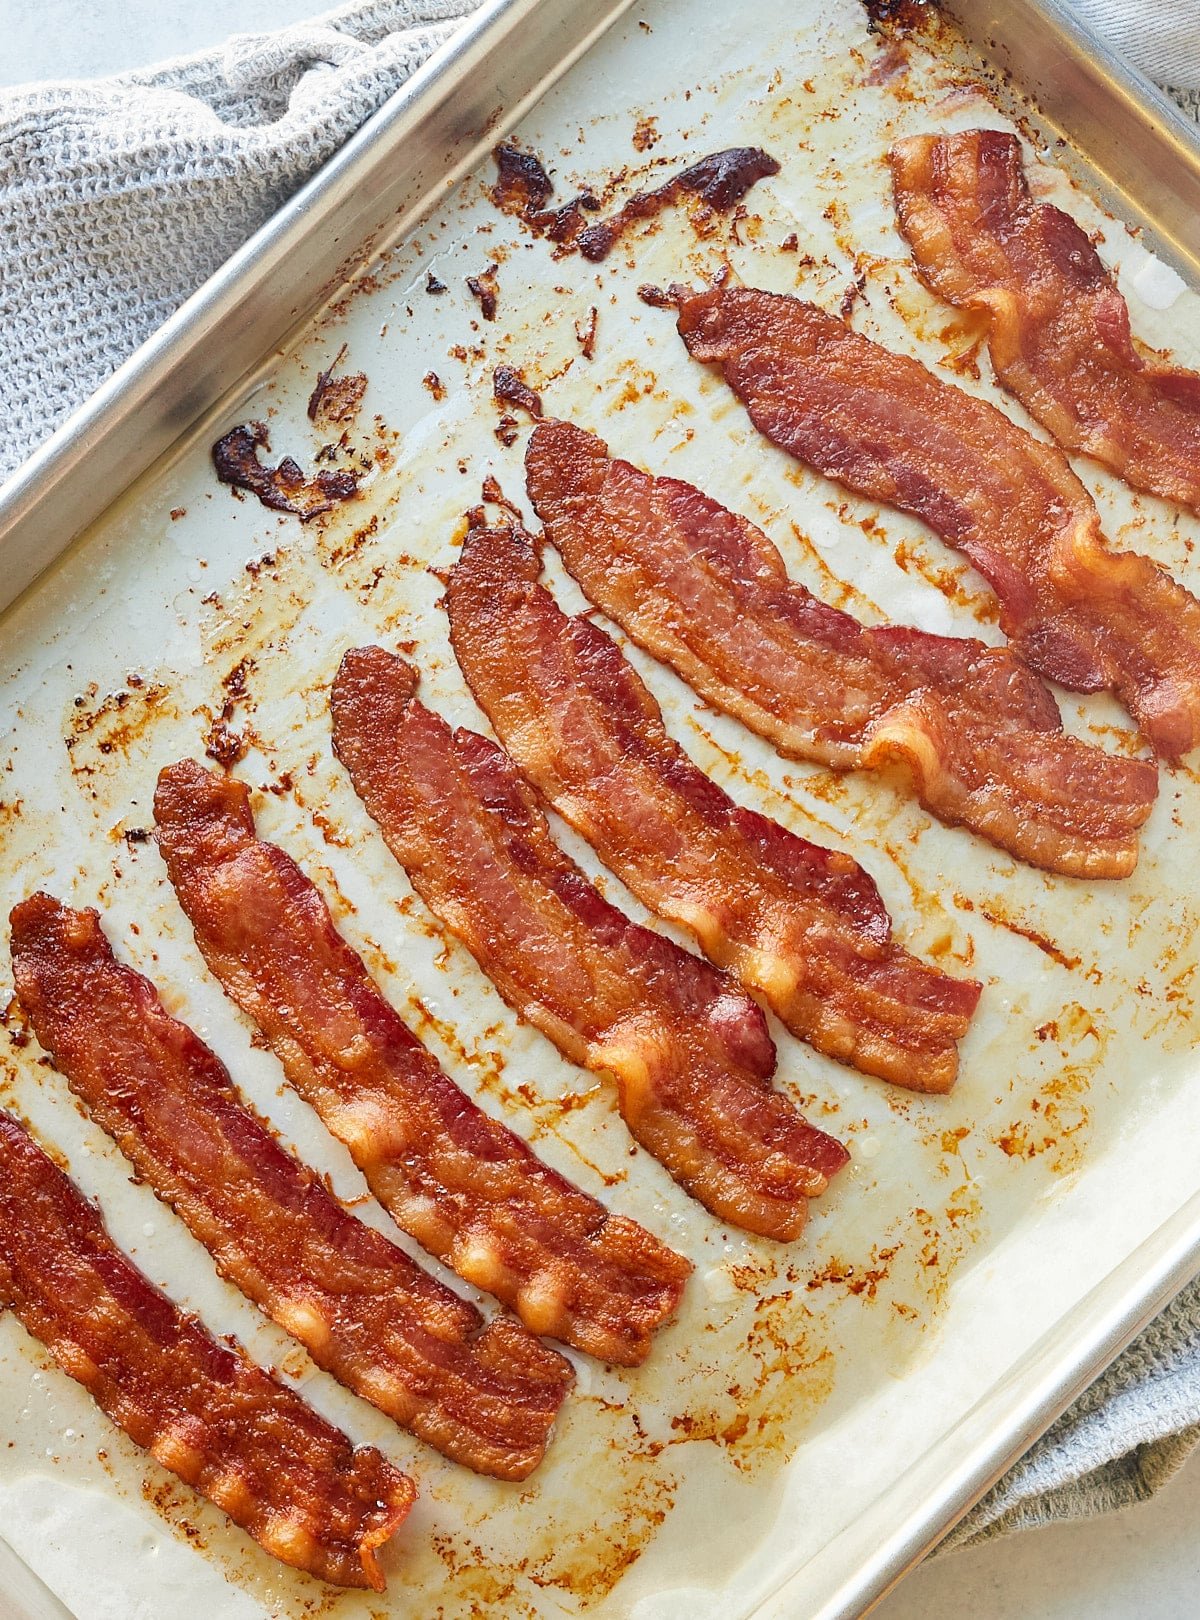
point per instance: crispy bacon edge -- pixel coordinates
(803, 925)
(1058, 328)
(884, 426)
(461, 1183)
(486, 1396)
(689, 1051)
(205, 1411)
(978, 736)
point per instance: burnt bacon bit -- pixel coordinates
(585, 333)
(457, 1180)
(284, 488)
(718, 181)
(522, 185)
(509, 387)
(978, 738)
(486, 1396)
(486, 289)
(335, 401)
(523, 188)
(432, 284)
(690, 1052)
(201, 1408)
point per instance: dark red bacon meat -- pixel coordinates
(803, 926)
(689, 1051)
(465, 1186)
(205, 1411)
(1058, 327)
(977, 735)
(887, 428)
(485, 1396)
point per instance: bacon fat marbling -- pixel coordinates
(483, 1395)
(689, 1050)
(1058, 326)
(204, 1410)
(801, 925)
(977, 735)
(884, 426)
(460, 1182)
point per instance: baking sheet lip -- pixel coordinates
(61, 459)
(1166, 1262)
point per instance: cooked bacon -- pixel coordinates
(802, 925)
(465, 1186)
(690, 1052)
(1058, 328)
(485, 1396)
(284, 488)
(979, 736)
(884, 426)
(205, 1411)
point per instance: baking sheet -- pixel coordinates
(802, 1387)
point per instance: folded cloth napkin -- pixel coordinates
(118, 198)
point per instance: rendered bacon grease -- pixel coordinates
(1058, 327)
(485, 1396)
(464, 1185)
(205, 1411)
(802, 925)
(887, 428)
(689, 1051)
(977, 734)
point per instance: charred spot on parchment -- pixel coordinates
(486, 289)
(285, 488)
(335, 401)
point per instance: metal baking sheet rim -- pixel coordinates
(458, 105)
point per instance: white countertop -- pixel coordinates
(1142, 1564)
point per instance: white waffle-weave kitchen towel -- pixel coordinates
(117, 199)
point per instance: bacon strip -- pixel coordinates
(208, 1413)
(690, 1053)
(884, 426)
(464, 1185)
(484, 1396)
(979, 736)
(802, 925)
(1058, 328)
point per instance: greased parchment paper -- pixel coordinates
(800, 1382)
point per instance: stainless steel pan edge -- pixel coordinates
(1148, 152)
(405, 157)
(868, 1561)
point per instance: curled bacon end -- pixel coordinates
(464, 1185)
(887, 428)
(802, 925)
(689, 1051)
(203, 1410)
(978, 736)
(367, 1313)
(1058, 327)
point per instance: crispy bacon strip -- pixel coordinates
(802, 925)
(485, 1396)
(884, 426)
(1058, 328)
(205, 1411)
(464, 1185)
(690, 1053)
(979, 736)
